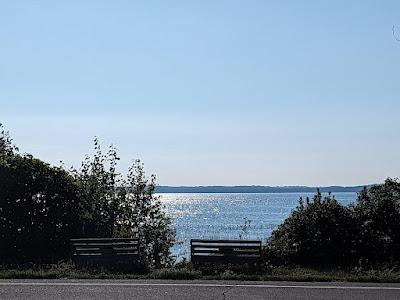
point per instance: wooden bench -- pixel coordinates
(106, 252)
(225, 251)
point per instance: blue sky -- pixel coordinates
(208, 92)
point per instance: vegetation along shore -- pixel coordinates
(42, 207)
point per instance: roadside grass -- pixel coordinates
(175, 273)
(186, 272)
(307, 275)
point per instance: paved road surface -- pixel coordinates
(157, 289)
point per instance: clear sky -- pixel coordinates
(208, 92)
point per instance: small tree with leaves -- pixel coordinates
(100, 198)
(117, 207)
(143, 211)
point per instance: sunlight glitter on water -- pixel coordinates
(217, 216)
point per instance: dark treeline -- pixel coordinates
(255, 189)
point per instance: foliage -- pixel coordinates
(325, 233)
(378, 215)
(42, 207)
(7, 147)
(113, 207)
(317, 233)
(38, 207)
(144, 211)
(100, 199)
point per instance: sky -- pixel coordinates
(208, 92)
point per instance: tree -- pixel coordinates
(100, 198)
(154, 226)
(38, 207)
(7, 148)
(43, 207)
(117, 207)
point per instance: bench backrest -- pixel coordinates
(229, 251)
(107, 248)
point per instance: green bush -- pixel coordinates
(323, 233)
(378, 215)
(317, 233)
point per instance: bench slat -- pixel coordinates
(225, 241)
(104, 253)
(225, 251)
(111, 250)
(105, 245)
(224, 259)
(196, 247)
(104, 240)
(226, 256)
(238, 251)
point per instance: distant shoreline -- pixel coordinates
(256, 189)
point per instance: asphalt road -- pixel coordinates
(157, 289)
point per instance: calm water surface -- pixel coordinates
(223, 215)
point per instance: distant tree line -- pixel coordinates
(255, 189)
(42, 206)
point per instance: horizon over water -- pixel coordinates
(222, 215)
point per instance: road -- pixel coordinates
(167, 289)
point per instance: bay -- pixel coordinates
(223, 216)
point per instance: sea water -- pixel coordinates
(231, 216)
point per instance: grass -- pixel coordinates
(186, 272)
(301, 274)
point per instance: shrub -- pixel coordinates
(378, 215)
(318, 233)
